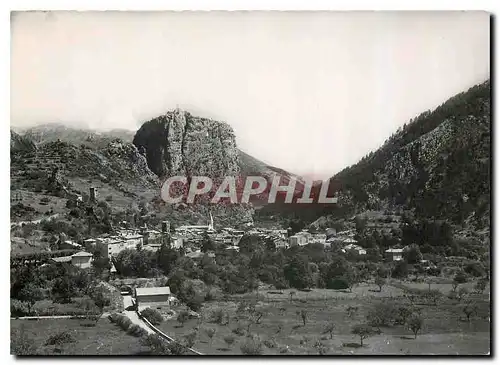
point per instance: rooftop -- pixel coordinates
(82, 254)
(160, 290)
(62, 259)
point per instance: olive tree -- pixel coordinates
(414, 323)
(363, 331)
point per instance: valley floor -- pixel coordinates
(281, 329)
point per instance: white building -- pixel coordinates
(81, 259)
(319, 238)
(354, 248)
(394, 254)
(301, 239)
(112, 246)
(156, 297)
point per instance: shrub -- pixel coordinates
(156, 344)
(381, 315)
(270, 343)
(217, 316)
(351, 311)
(136, 330)
(400, 270)
(320, 347)
(60, 339)
(176, 348)
(434, 271)
(229, 340)
(183, 317)
(152, 315)
(209, 296)
(338, 284)
(475, 269)
(462, 293)
(123, 321)
(240, 330)
(481, 285)
(18, 308)
(251, 347)
(109, 198)
(190, 338)
(113, 317)
(460, 278)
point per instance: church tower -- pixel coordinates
(211, 224)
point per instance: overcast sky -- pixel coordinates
(307, 92)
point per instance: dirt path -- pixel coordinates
(132, 315)
(36, 221)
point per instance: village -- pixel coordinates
(150, 277)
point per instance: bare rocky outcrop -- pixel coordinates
(178, 143)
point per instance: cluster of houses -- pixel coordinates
(344, 240)
(190, 237)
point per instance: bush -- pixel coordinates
(123, 321)
(156, 344)
(60, 339)
(194, 303)
(18, 308)
(182, 317)
(251, 347)
(218, 316)
(152, 315)
(400, 270)
(270, 343)
(113, 317)
(434, 271)
(475, 269)
(229, 340)
(460, 278)
(338, 283)
(190, 338)
(136, 330)
(240, 331)
(109, 198)
(382, 315)
(209, 296)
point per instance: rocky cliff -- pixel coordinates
(178, 143)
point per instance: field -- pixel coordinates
(103, 339)
(445, 329)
